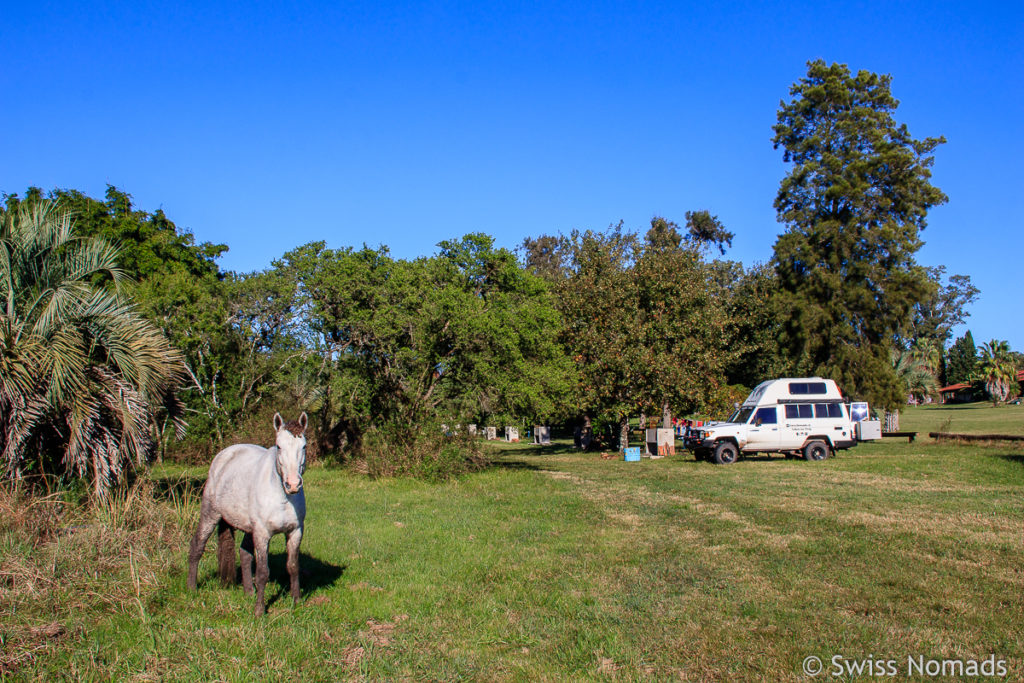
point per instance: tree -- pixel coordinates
(177, 285)
(681, 325)
(937, 315)
(543, 256)
(962, 360)
(915, 376)
(149, 243)
(998, 370)
(855, 201)
(705, 230)
(466, 333)
(83, 372)
(599, 304)
(749, 306)
(642, 323)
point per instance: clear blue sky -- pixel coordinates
(266, 127)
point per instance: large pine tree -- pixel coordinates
(854, 202)
(962, 360)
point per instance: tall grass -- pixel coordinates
(60, 560)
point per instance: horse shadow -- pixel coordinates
(314, 575)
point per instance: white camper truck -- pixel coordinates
(805, 416)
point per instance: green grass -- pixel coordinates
(964, 418)
(554, 565)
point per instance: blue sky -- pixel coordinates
(270, 126)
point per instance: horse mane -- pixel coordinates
(294, 427)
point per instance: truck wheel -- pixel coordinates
(816, 450)
(726, 453)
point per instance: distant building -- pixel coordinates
(957, 393)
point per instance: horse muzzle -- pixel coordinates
(291, 488)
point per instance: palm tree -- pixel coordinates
(916, 378)
(915, 373)
(927, 352)
(997, 369)
(80, 370)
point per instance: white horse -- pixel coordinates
(258, 491)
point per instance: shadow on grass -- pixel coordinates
(512, 465)
(1014, 457)
(313, 575)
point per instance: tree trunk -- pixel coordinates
(643, 421)
(666, 416)
(585, 433)
(623, 433)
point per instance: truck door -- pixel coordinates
(763, 430)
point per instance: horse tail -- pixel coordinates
(226, 552)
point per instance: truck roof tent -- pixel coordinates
(790, 389)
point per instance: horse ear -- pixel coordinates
(303, 420)
(278, 422)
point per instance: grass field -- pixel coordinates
(965, 418)
(551, 565)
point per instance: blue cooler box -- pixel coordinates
(632, 454)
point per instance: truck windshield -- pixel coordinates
(742, 415)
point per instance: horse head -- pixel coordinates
(291, 451)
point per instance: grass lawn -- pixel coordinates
(964, 418)
(552, 565)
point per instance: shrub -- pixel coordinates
(424, 452)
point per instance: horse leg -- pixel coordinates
(245, 556)
(226, 553)
(207, 523)
(294, 539)
(261, 543)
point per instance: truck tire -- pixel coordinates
(726, 453)
(816, 450)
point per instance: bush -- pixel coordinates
(424, 452)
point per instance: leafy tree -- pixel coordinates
(998, 370)
(962, 360)
(600, 306)
(855, 201)
(235, 336)
(465, 333)
(149, 243)
(543, 256)
(83, 372)
(752, 322)
(936, 315)
(681, 326)
(642, 323)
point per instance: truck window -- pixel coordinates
(767, 416)
(807, 388)
(835, 410)
(824, 410)
(799, 410)
(741, 416)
